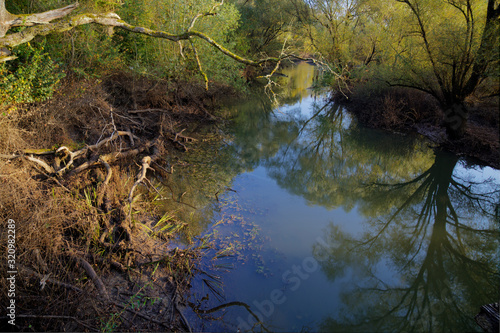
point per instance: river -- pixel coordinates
(316, 223)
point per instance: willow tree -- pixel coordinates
(450, 47)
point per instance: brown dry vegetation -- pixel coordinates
(68, 222)
(404, 109)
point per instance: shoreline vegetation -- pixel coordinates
(91, 247)
(406, 110)
(93, 250)
(97, 111)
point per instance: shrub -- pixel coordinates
(33, 77)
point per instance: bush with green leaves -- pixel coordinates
(93, 50)
(32, 77)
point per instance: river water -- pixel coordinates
(317, 224)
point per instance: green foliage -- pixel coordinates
(91, 50)
(165, 58)
(32, 77)
(265, 24)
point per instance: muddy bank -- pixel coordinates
(81, 176)
(410, 111)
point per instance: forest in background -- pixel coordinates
(447, 49)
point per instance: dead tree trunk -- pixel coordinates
(8, 20)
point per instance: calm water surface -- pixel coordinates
(318, 224)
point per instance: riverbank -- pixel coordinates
(407, 110)
(82, 177)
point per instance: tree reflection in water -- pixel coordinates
(443, 242)
(434, 229)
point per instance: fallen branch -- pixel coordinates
(92, 274)
(62, 154)
(41, 163)
(109, 158)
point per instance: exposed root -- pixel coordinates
(141, 178)
(93, 275)
(41, 163)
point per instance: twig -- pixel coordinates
(147, 110)
(198, 62)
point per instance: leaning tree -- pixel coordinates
(63, 19)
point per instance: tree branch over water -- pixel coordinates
(41, 25)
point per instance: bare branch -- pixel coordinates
(200, 69)
(41, 163)
(211, 12)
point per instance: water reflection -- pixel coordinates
(406, 239)
(442, 239)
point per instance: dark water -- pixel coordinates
(317, 224)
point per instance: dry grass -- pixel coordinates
(395, 108)
(60, 217)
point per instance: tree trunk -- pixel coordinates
(455, 120)
(485, 53)
(8, 20)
